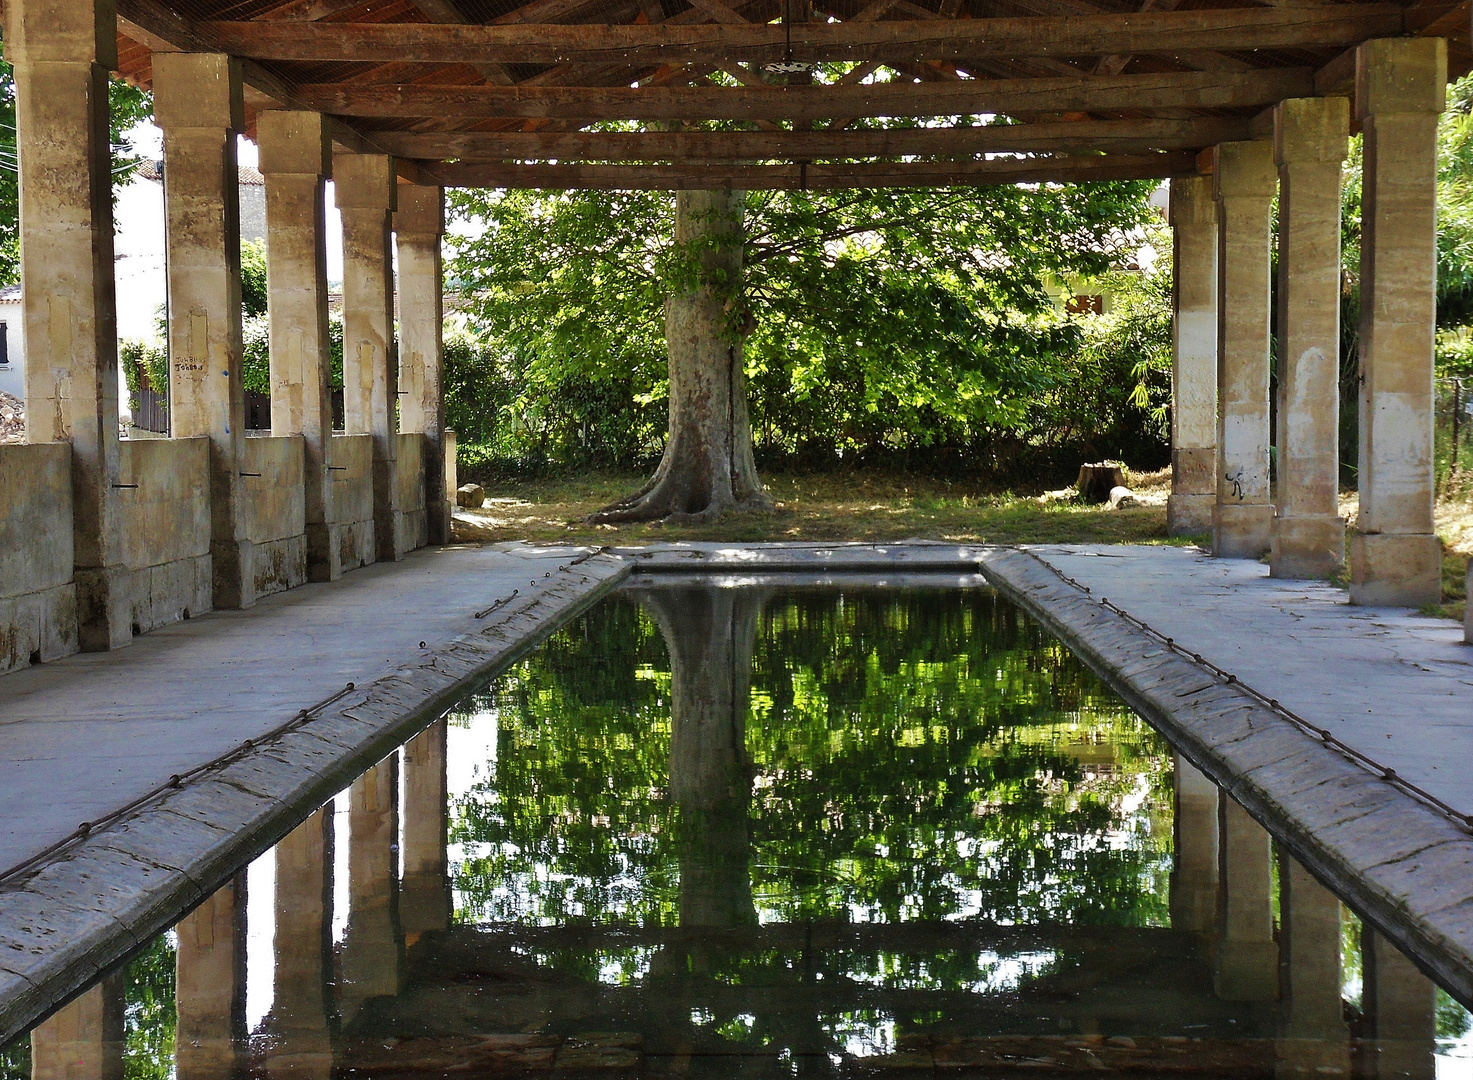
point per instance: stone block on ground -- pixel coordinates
(1097, 480)
(470, 495)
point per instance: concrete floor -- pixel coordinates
(88, 734)
(1394, 685)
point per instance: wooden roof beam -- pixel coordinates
(818, 177)
(911, 40)
(1129, 136)
(1173, 90)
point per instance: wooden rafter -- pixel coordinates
(819, 177)
(912, 40)
(1129, 136)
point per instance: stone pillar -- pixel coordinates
(61, 55)
(365, 185)
(1395, 556)
(1194, 870)
(418, 225)
(372, 956)
(210, 984)
(83, 1040)
(1314, 1038)
(300, 1044)
(1400, 1006)
(424, 899)
(1193, 357)
(1243, 181)
(197, 101)
(1246, 957)
(1311, 137)
(296, 161)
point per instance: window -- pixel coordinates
(4, 343)
(1085, 305)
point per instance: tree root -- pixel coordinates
(658, 503)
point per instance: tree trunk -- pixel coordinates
(707, 468)
(709, 633)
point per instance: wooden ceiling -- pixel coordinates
(708, 93)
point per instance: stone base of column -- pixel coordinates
(1247, 971)
(438, 517)
(424, 903)
(386, 513)
(104, 614)
(1242, 530)
(1395, 570)
(1189, 515)
(324, 551)
(233, 568)
(1307, 547)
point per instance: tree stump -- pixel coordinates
(1096, 481)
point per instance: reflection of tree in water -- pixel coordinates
(912, 755)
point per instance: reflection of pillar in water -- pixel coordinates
(1314, 1038)
(373, 947)
(1246, 957)
(83, 1040)
(1400, 1004)
(301, 1043)
(210, 984)
(1194, 870)
(709, 633)
(424, 897)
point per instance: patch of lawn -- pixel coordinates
(827, 507)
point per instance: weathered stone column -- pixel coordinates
(1400, 1005)
(210, 984)
(1314, 1039)
(373, 948)
(1246, 957)
(365, 185)
(301, 1044)
(296, 161)
(197, 101)
(1243, 181)
(83, 1040)
(1311, 137)
(419, 224)
(1194, 870)
(424, 899)
(1193, 357)
(62, 54)
(1395, 556)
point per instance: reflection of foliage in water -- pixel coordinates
(149, 1017)
(15, 1059)
(914, 755)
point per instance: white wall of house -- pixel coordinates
(12, 332)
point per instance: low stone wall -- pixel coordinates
(350, 459)
(276, 512)
(164, 522)
(38, 602)
(410, 528)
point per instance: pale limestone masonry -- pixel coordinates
(166, 572)
(61, 55)
(1311, 137)
(1244, 183)
(410, 523)
(198, 103)
(276, 512)
(210, 984)
(296, 161)
(366, 188)
(1193, 357)
(1395, 557)
(350, 499)
(419, 224)
(38, 599)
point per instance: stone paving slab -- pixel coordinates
(85, 736)
(1395, 685)
(1406, 867)
(903, 556)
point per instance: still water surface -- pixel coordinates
(767, 832)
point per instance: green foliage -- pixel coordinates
(128, 106)
(149, 1020)
(143, 358)
(923, 755)
(886, 325)
(252, 278)
(256, 352)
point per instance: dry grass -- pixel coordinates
(854, 506)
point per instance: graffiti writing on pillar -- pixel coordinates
(1236, 479)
